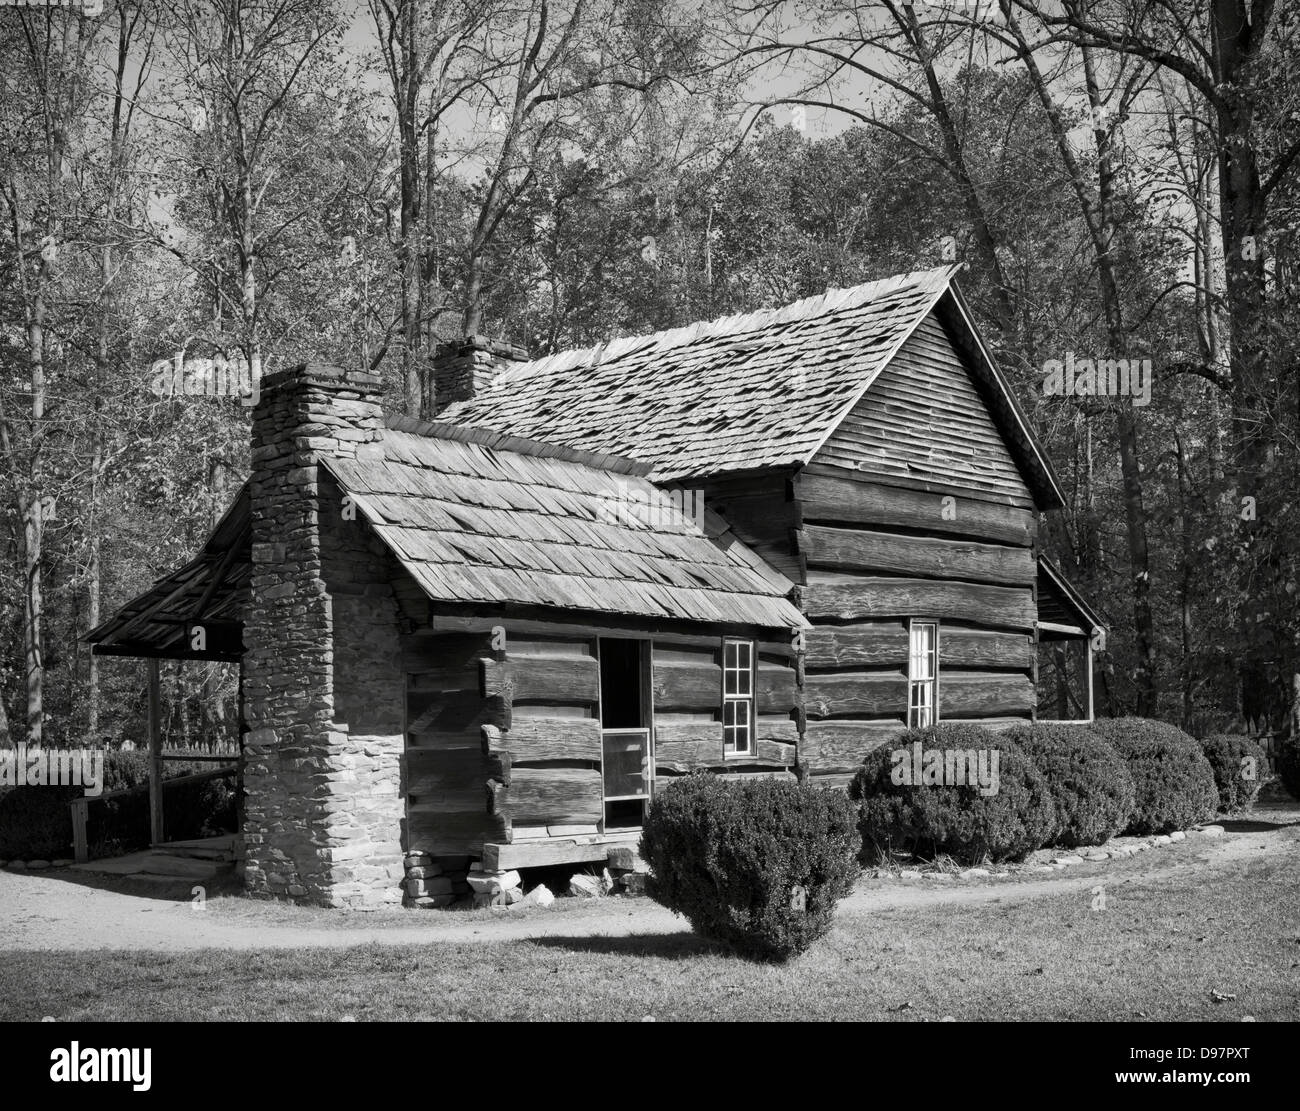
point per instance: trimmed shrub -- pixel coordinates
(1173, 782)
(1006, 819)
(1091, 786)
(36, 823)
(758, 864)
(1286, 759)
(1240, 767)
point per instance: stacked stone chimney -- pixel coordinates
(465, 368)
(322, 673)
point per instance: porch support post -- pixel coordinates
(155, 756)
(1087, 647)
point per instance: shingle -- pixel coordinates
(761, 389)
(536, 526)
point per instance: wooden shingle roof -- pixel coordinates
(758, 390)
(475, 517)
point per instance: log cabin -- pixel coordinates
(758, 546)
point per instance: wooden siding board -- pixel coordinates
(867, 597)
(917, 556)
(924, 416)
(856, 499)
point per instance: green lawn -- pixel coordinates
(1156, 951)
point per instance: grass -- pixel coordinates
(1157, 951)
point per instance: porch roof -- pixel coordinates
(1062, 612)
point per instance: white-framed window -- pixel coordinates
(923, 674)
(738, 697)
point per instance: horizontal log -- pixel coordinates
(453, 712)
(428, 773)
(869, 597)
(689, 744)
(832, 780)
(774, 689)
(980, 648)
(843, 745)
(680, 686)
(851, 500)
(450, 832)
(774, 773)
(919, 556)
(782, 732)
(443, 679)
(542, 678)
(775, 752)
(872, 644)
(427, 653)
(555, 795)
(537, 739)
(855, 694)
(985, 695)
(543, 854)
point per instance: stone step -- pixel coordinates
(204, 848)
(158, 864)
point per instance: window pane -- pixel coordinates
(744, 682)
(627, 764)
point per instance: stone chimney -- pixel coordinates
(465, 368)
(321, 670)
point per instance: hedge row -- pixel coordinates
(1123, 775)
(36, 822)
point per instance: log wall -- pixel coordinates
(914, 507)
(504, 743)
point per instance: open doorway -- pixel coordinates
(627, 765)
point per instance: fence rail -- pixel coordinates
(80, 807)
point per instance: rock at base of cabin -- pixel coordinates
(586, 887)
(539, 896)
(431, 902)
(38, 865)
(633, 883)
(63, 862)
(492, 882)
(513, 895)
(438, 885)
(489, 899)
(423, 871)
(17, 866)
(624, 858)
(418, 860)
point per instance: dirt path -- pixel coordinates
(51, 911)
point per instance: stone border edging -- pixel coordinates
(1059, 860)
